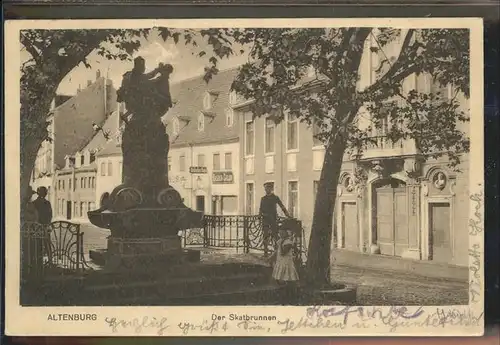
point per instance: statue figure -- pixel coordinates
(145, 143)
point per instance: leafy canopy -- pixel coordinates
(313, 74)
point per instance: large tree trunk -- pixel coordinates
(318, 256)
(33, 132)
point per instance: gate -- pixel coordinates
(53, 248)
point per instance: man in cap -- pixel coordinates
(268, 211)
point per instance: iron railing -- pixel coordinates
(55, 247)
(244, 233)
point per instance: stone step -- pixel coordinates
(179, 288)
(253, 295)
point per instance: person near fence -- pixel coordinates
(268, 211)
(44, 210)
(30, 226)
(284, 270)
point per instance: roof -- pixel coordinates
(188, 98)
(73, 119)
(111, 148)
(98, 140)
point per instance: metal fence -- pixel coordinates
(244, 233)
(56, 247)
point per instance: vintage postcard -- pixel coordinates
(270, 177)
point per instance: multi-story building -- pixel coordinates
(45, 166)
(75, 180)
(204, 149)
(406, 207)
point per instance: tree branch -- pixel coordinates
(30, 48)
(394, 74)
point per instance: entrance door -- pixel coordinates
(200, 203)
(440, 237)
(350, 226)
(392, 219)
(68, 209)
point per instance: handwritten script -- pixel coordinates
(138, 324)
(366, 317)
(476, 227)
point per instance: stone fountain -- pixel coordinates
(144, 213)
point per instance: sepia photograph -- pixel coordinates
(275, 165)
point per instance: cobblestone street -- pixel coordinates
(373, 287)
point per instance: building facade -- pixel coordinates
(75, 181)
(390, 202)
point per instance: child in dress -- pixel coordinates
(284, 271)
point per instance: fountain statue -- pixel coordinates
(144, 213)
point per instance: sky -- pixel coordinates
(154, 50)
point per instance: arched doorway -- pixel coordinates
(390, 216)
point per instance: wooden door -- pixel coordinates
(68, 209)
(440, 232)
(401, 235)
(385, 220)
(350, 226)
(200, 203)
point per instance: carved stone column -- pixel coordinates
(412, 170)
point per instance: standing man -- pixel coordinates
(44, 210)
(268, 211)
(43, 206)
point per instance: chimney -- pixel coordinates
(98, 74)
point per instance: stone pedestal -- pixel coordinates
(139, 253)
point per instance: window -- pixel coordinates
(59, 184)
(175, 126)
(81, 182)
(82, 160)
(69, 184)
(292, 142)
(63, 184)
(89, 206)
(92, 157)
(249, 131)
(316, 130)
(182, 163)
(269, 139)
(75, 183)
(75, 209)
(228, 161)
(169, 160)
(216, 161)
(229, 117)
(201, 160)
(81, 209)
(315, 190)
(293, 198)
(110, 168)
(201, 122)
(103, 169)
(207, 101)
(249, 198)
